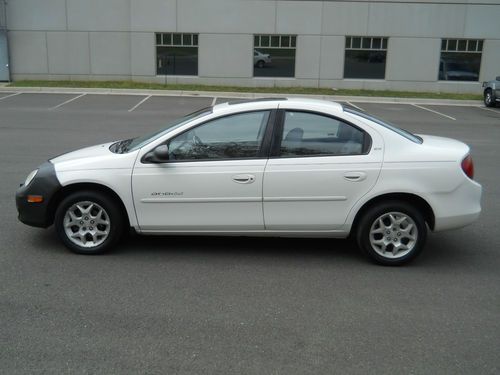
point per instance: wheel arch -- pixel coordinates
(413, 199)
(72, 188)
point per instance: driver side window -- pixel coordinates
(231, 137)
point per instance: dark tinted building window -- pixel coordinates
(176, 54)
(274, 55)
(460, 59)
(365, 57)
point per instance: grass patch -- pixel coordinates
(264, 90)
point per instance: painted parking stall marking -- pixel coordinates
(355, 106)
(68, 101)
(489, 110)
(138, 104)
(10, 95)
(433, 111)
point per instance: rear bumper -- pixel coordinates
(458, 209)
(45, 184)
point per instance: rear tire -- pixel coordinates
(260, 64)
(89, 222)
(392, 233)
(489, 99)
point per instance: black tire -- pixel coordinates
(111, 214)
(393, 235)
(260, 64)
(489, 98)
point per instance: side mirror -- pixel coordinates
(159, 155)
(498, 78)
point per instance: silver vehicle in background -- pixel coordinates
(491, 92)
(261, 59)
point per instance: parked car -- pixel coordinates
(261, 59)
(491, 92)
(277, 167)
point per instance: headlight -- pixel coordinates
(30, 177)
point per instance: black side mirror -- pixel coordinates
(159, 155)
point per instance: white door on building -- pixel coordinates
(4, 57)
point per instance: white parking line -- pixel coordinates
(213, 101)
(138, 104)
(489, 110)
(436, 112)
(67, 101)
(355, 106)
(11, 95)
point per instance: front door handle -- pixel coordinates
(355, 176)
(244, 178)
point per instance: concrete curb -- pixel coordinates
(240, 95)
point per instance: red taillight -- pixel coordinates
(468, 166)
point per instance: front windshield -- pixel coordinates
(139, 142)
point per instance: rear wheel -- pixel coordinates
(260, 64)
(489, 99)
(392, 233)
(88, 222)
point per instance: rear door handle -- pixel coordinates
(244, 178)
(355, 176)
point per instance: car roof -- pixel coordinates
(238, 105)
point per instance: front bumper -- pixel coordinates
(44, 184)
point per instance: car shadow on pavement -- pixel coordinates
(442, 250)
(244, 246)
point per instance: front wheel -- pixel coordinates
(489, 100)
(88, 222)
(392, 233)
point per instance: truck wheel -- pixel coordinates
(489, 99)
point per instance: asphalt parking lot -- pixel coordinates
(175, 305)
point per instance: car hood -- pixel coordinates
(93, 157)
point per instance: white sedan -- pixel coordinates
(274, 167)
(261, 59)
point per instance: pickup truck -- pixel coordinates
(491, 92)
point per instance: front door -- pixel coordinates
(211, 182)
(4, 57)
(321, 167)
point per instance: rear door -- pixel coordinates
(321, 166)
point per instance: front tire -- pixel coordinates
(489, 99)
(392, 233)
(88, 222)
(260, 64)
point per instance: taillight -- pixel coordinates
(468, 166)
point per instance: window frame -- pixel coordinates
(195, 37)
(263, 152)
(277, 136)
(384, 40)
(444, 48)
(292, 44)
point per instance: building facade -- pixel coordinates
(446, 45)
